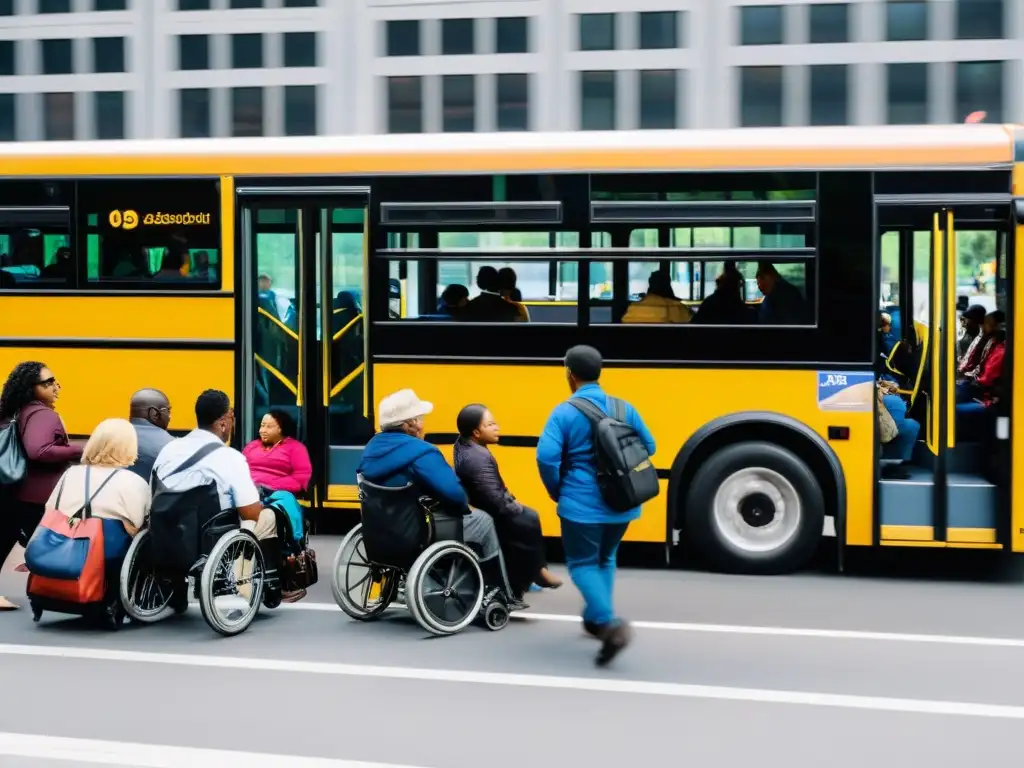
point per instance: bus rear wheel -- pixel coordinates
(755, 507)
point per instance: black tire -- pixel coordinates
(749, 548)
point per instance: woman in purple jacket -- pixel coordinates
(30, 394)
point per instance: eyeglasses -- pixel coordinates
(47, 383)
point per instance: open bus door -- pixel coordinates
(302, 292)
(954, 491)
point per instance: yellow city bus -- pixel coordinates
(306, 275)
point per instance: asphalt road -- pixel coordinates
(809, 670)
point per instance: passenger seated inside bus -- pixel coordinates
(974, 359)
(489, 306)
(518, 526)
(976, 395)
(726, 305)
(783, 302)
(659, 304)
(60, 269)
(970, 324)
(453, 300)
(507, 280)
(901, 447)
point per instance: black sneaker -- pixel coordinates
(592, 629)
(614, 638)
(895, 472)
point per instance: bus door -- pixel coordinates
(303, 271)
(951, 492)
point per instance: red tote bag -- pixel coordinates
(65, 556)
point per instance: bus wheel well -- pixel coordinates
(795, 437)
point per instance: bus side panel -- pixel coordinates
(673, 402)
(118, 317)
(97, 384)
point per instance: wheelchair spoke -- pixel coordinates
(452, 570)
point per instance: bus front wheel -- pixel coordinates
(755, 507)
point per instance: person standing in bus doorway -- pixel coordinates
(591, 529)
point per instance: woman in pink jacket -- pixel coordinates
(30, 395)
(277, 461)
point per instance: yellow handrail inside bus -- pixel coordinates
(949, 329)
(348, 379)
(278, 323)
(348, 325)
(276, 374)
(934, 315)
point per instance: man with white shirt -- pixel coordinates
(202, 457)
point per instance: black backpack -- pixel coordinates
(625, 474)
(179, 520)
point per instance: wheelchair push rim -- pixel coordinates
(445, 588)
(232, 582)
(145, 595)
(361, 589)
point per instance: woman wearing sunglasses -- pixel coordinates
(30, 395)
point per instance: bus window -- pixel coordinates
(154, 234)
(35, 235)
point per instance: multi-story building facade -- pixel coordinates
(82, 69)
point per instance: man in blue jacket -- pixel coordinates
(591, 530)
(398, 455)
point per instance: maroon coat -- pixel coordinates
(47, 450)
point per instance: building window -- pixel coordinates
(513, 102)
(907, 94)
(7, 57)
(403, 38)
(300, 49)
(55, 6)
(300, 3)
(194, 113)
(457, 37)
(512, 35)
(458, 103)
(405, 105)
(247, 111)
(597, 101)
(110, 5)
(57, 57)
(830, 23)
(6, 9)
(979, 87)
(108, 112)
(980, 19)
(246, 4)
(59, 116)
(193, 5)
(829, 94)
(659, 29)
(300, 110)
(108, 54)
(247, 51)
(8, 123)
(597, 31)
(906, 20)
(761, 25)
(760, 96)
(193, 52)
(658, 103)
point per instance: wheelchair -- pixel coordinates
(231, 580)
(408, 550)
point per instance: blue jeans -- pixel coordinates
(902, 446)
(590, 550)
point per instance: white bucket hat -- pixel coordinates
(401, 406)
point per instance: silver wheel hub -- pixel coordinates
(757, 510)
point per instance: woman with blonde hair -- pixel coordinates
(121, 499)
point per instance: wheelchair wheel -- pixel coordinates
(231, 584)
(445, 588)
(496, 616)
(146, 596)
(362, 590)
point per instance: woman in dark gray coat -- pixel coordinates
(518, 526)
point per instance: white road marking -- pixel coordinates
(594, 684)
(96, 752)
(736, 629)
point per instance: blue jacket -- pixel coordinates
(568, 465)
(394, 459)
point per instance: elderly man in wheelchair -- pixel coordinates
(209, 523)
(419, 541)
